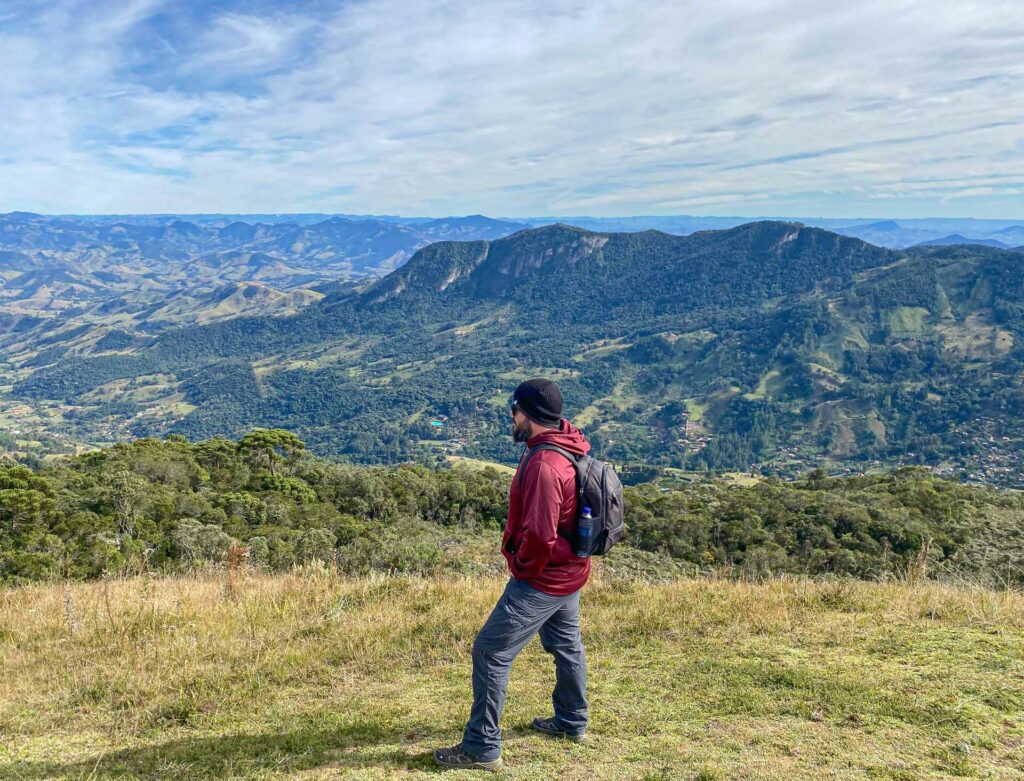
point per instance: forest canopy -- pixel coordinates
(169, 505)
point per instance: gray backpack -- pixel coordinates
(597, 487)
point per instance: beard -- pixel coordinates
(521, 431)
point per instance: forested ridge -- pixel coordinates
(770, 347)
(169, 505)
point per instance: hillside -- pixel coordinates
(66, 283)
(311, 676)
(770, 346)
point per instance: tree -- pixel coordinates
(316, 545)
(201, 542)
(127, 493)
(23, 509)
(264, 446)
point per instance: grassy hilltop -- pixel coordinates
(271, 663)
(308, 675)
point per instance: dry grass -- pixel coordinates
(310, 675)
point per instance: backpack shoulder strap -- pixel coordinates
(543, 446)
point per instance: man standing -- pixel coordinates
(543, 594)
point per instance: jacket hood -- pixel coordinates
(567, 437)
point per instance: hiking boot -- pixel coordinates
(455, 757)
(549, 727)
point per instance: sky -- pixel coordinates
(872, 108)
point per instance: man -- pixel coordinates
(543, 594)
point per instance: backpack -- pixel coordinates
(599, 488)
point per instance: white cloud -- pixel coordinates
(516, 108)
(239, 44)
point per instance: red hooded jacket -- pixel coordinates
(542, 516)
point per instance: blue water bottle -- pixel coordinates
(584, 531)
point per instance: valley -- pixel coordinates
(771, 348)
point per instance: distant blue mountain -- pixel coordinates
(363, 245)
(892, 233)
(473, 227)
(1013, 235)
(956, 238)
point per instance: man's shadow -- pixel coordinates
(234, 755)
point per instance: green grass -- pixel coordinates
(618, 400)
(905, 319)
(476, 464)
(498, 316)
(312, 676)
(740, 478)
(417, 414)
(141, 389)
(513, 378)
(329, 354)
(695, 409)
(770, 384)
(974, 337)
(845, 336)
(602, 348)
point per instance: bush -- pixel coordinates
(201, 543)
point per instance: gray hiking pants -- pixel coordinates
(522, 612)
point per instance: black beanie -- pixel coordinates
(540, 400)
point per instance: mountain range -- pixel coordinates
(144, 275)
(772, 345)
(956, 238)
